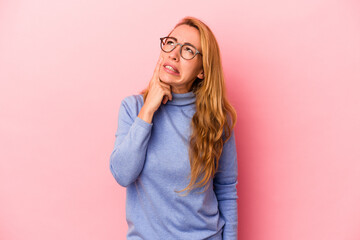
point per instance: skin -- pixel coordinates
(163, 82)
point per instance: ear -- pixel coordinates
(201, 74)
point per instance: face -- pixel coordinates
(186, 71)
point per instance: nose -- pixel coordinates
(175, 53)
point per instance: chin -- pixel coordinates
(166, 78)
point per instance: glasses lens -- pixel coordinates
(188, 52)
(168, 44)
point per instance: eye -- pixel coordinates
(189, 50)
(169, 42)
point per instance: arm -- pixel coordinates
(133, 133)
(225, 181)
(132, 137)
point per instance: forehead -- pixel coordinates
(185, 33)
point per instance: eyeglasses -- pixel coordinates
(187, 51)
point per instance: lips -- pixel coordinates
(171, 67)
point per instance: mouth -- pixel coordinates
(171, 69)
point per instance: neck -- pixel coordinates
(182, 99)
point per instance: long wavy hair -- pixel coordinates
(214, 118)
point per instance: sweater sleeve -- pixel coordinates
(225, 181)
(131, 141)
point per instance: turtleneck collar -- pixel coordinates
(182, 99)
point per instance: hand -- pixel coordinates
(159, 92)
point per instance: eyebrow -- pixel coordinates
(184, 42)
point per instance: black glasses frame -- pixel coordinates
(181, 46)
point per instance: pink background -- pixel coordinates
(292, 72)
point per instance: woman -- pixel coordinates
(177, 137)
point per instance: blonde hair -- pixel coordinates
(214, 118)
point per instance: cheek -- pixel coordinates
(191, 69)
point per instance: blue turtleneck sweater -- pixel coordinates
(152, 161)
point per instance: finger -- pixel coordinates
(167, 88)
(165, 99)
(157, 68)
(167, 93)
(164, 84)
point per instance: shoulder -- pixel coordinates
(132, 104)
(133, 100)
